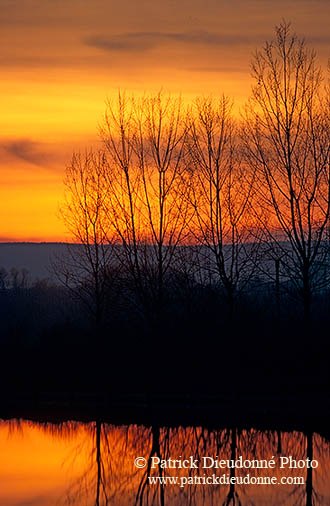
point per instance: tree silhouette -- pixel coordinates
(146, 177)
(85, 269)
(287, 142)
(221, 197)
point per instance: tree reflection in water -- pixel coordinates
(106, 454)
(116, 448)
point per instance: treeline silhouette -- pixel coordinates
(253, 194)
(50, 340)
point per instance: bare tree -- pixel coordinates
(221, 197)
(145, 141)
(123, 186)
(85, 267)
(287, 142)
(160, 149)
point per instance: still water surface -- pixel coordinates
(93, 465)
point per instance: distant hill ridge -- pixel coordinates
(35, 257)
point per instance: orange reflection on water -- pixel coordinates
(93, 465)
(31, 464)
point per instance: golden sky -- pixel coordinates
(61, 59)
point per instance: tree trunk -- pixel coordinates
(309, 478)
(307, 296)
(98, 461)
(277, 288)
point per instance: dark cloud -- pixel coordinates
(139, 41)
(26, 150)
(318, 40)
(143, 41)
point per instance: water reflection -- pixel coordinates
(93, 465)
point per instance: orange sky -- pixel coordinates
(60, 59)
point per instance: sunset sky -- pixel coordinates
(61, 59)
